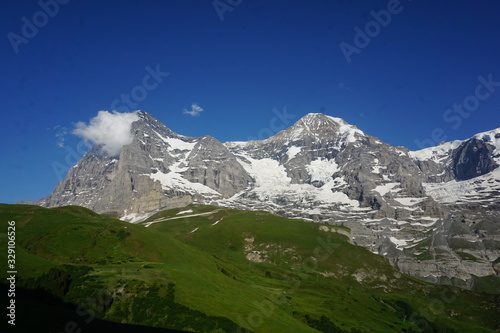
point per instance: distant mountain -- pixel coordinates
(435, 213)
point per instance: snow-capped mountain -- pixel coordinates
(323, 161)
(159, 169)
(428, 211)
(463, 172)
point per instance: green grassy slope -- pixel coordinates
(194, 274)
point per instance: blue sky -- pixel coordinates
(239, 62)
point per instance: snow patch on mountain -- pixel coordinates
(407, 201)
(377, 167)
(442, 150)
(435, 153)
(328, 195)
(272, 182)
(293, 151)
(483, 188)
(270, 177)
(386, 188)
(184, 212)
(348, 132)
(175, 181)
(317, 127)
(322, 170)
(134, 217)
(177, 144)
(492, 137)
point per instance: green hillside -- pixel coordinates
(222, 270)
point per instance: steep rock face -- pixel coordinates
(473, 158)
(212, 164)
(113, 187)
(160, 169)
(335, 158)
(435, 163)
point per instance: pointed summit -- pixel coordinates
(147, 125)
(315, 121)
(318, 126)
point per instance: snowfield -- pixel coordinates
(272, 181)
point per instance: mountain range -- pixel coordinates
(434, 213)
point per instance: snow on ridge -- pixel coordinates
(312, 123)
(235, 144)
(160, 136)
(346, 129)
(179, 144)
(175, 143)
(491, 137)
(435, 153)
(488, 135)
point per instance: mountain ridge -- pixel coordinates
(321, 169)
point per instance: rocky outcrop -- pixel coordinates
(212, 164)
(473, 158)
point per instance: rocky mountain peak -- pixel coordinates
(316, 120)
(317, 127)
(490, 137)
(147, 125)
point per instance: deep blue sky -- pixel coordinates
(263, 55)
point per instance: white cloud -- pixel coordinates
(111, 131)
(61, 135)
(195, 110)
